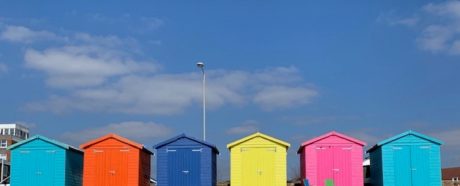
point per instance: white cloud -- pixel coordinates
(411, 21)
(21, 34)
(80, 66)
(275, 97)
(366, 136)
(172, 93)
(308, 120)
(450, 137)
(448, 8)
(392, 19)
(3, 68)
(442, 35)
(25, 35)
(455, 49)
(435, 38)
(247, 127)
(107, 42)
(131, 129)
(132, 23)
(438, 24)
(151, 23)
(451, 146)
(81, 59)
(97, 73)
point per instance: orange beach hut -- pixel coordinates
(115, 161)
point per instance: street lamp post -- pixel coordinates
(201, 66)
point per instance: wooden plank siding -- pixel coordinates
(256, 142)
(40, 161)
(347, 167)
(115, 161)
(207, 161)
(384, 163)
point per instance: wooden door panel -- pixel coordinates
(266, 166)
(249, 163)
(46, 171)
(342, 166)
(121, 166)
(325, 161)
(420, 164)
(402, 165)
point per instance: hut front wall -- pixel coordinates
(432, 165)
(207, 165)
(38, 163)
(115, 156)
(312, 164)
(237, 166)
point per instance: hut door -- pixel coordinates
(342, 166)
(258, 167)
(28, 167)
(119, 167)
(111, 166)
(325, 163)
(420, 169)
(46, 167)
(184, 166)
(101, 163)
(249, 163)
(402, 165)
(266, 166)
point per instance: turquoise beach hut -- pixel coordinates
(409, 158)
(40, 161)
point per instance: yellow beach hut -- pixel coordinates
(258, 160)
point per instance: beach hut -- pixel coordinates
(332, 158)
(115, 161)
(409, 158)
(258, 160)
(40, 161)
(186, 161)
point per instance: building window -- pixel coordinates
(3, 157)
(3, 143)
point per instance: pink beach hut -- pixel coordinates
(332, 157)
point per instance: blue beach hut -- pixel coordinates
(186, 161)
(40, 161)
(409, 158)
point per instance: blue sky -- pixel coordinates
(294, 70)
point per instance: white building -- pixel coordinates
(10, 134)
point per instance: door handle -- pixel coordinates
(336, 170)
(185, 171)
(112, 172)
(413, 169)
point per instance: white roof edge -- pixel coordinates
(14, 125)
(367, 162)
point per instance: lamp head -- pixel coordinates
(200, 64)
